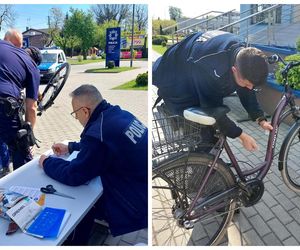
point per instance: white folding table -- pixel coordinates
(31, 175)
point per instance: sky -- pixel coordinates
(36, 15)
(190, 9)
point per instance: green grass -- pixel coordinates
(136, 59)
(131, 85)
(159, 49)
(74, 61)
(107, 70)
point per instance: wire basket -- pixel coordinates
(172, 134)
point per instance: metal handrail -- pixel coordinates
(206, 20)
(174, 25)
(207, 13)
(268, 32)
(250, 16)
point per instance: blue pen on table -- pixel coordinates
(49, 189)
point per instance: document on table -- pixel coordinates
(33, 193)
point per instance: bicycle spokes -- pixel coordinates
(179, 182)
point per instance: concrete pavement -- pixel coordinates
(275, 219)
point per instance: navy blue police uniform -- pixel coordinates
(17, 71)
(197, 72)
(113, 146)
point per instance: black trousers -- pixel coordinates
(81, 234)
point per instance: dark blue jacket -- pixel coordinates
(17, 72)
(113, 146)
(197, 72)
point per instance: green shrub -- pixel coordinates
(93, 57)
(111, 64)
(79, 58)
(157, 40)
(294, 73)
(164, 44)
(142, 79)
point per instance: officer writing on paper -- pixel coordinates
(18, 71)
(206, 67)
(113, 146)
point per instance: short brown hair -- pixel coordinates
(252, 65)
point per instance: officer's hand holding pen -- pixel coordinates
(60, 149)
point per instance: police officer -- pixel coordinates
(206, 67)
(15, 37)
(18, 71)
(113, 146)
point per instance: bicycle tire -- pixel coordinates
(170, 196)
(54, 86)
(288, 161)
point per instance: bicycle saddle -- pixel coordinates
(205, 116)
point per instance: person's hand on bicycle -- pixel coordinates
(60, 149)
(248, 142)
(266, 125)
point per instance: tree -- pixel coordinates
(81, 25)
(7, 15)
(56, 19)
(56, 23)
(109, 12)
(175, 13)
(60, 40)
(158, 25)
(72, 42)
(101, 32)
(141, 16)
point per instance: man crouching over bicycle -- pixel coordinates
(206, 67)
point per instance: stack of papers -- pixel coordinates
(33, 220)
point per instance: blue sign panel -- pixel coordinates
(25, 42)
(113, 45)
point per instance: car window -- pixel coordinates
(49, 58)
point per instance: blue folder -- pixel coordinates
(47, 223)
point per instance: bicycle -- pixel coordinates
(53, 88)
(194, 194)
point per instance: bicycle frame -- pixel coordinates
(261, 169)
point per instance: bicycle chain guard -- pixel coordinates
(252, 191)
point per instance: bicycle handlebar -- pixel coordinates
(288, 65)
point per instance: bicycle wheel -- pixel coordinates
(289, 159)
(174, 187)
(54, 86)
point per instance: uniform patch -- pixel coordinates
(135, 131)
